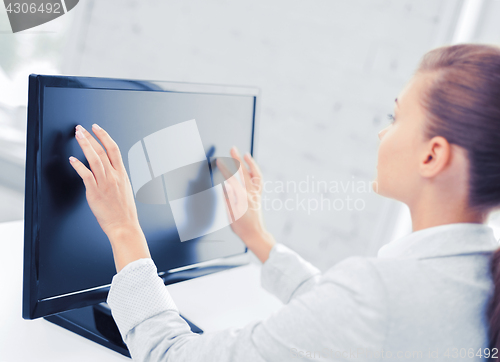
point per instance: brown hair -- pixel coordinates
(463, 106)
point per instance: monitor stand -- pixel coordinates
(96, 323)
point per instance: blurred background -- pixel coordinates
(328, 70)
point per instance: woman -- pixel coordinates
(427, 295)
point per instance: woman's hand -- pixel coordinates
(110, 196)
(249, 227)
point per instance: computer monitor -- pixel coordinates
(68, 261)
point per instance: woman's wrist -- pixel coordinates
(128, 244)
(260, 243)
(119, 234)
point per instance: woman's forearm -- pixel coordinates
(128, 244)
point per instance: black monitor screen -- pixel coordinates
(72, 253)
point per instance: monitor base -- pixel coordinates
(96, 323)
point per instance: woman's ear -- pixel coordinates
(435, 157)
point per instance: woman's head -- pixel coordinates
(412, 165)
(445, 141)
(446, 133)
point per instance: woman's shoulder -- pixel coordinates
(383, 276)
(369, 267)
(410, 296)
(360, 275)
(400, 277)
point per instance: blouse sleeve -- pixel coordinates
(345, 306)
(286, 274)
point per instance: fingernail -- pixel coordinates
(96, 126)
(248, 155)
(79, 134)
(80, 127)
(72, 159)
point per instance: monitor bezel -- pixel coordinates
(33, 307)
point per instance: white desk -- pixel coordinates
(213, 302)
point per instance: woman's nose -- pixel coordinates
(382, 133)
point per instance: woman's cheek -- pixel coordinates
(385, 169)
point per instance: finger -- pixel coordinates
(94, 160)
(97, 148)
(254, 168)
(86, 175)
(229, 192)
(223, 169)
(255, 173)
(233, 194)
(112, 148)
(235, 154)
(226, 173)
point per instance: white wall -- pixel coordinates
(329, 71)
(488, 27)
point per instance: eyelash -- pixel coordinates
(391, 118)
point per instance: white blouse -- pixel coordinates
(423, 297)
